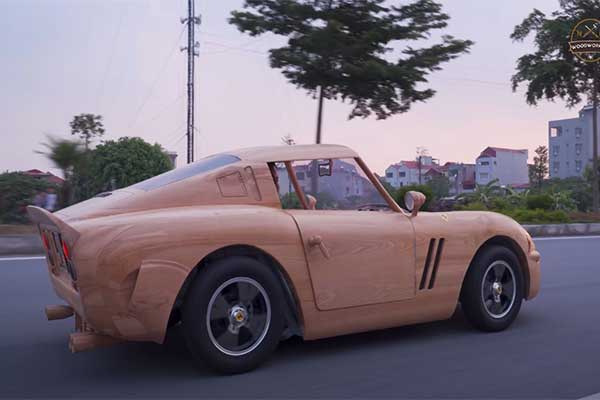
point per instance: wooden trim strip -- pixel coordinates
(297, 187)
(436, 264)
(427, 263)
(379, 186)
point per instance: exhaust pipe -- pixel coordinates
(58, 312)
(82, 341)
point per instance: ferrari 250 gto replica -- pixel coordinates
(252, 246)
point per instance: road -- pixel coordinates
(551, 351)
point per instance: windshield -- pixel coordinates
(199, 167)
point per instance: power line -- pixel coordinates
(110, 59)
(157, 79)
(163, 109)
(227, 48)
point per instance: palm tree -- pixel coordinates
(65, 154)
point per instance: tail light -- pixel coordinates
(45, 241)
(67, 257)
(65, 250)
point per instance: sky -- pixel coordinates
(122, 59)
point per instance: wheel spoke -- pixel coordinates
(499, 271)
(497, 308)
(247, 293)
(487, 288)
(245, 336)
(220, 308)
(509, 289)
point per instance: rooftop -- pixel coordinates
(491, 151)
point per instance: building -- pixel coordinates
(508, 166)
(570, 144)
(344, 182)
(173, 157)
(461, 177)
(46, 176)
(406, 173)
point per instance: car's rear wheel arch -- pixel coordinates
(510, 244)
(293, 312)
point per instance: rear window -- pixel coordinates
(199, 167)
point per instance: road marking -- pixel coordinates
(565, 238)
(591, 397)
(22, 258)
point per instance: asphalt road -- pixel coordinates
(552, 350)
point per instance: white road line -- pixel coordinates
(22, 258)
(565, 238)
(595, 396)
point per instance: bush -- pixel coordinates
(17, 192)
(474, 206)
(539, 202)
(538, 216)
(426, 190)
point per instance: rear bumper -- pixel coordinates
(534, 263)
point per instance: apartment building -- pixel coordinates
(570, 144)
(509, 166)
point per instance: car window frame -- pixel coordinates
(361, 164)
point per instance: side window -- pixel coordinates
(285, 188)
(338, 184)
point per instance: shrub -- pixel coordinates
(17, 192)
(426, 190)
(539, 202)
(474, 206)
(538, 216)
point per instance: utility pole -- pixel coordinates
(192, 20)
(421, 151)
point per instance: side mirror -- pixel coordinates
(414, 201)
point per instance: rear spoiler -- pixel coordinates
(39, 216)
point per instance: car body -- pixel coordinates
(131, 254)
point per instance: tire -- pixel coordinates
(233, 315)
(489, 300)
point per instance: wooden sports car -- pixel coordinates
(251, 246)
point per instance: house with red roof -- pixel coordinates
(47, 176)
(509, 166)
(405, 173)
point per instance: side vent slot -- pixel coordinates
(436, 264)
(427, 263)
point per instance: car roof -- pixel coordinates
(295, 152)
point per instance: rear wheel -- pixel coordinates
(233, 317)
(493, 289)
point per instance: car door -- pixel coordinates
(357, 258)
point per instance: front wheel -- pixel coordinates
(233, 317)
(493, 289)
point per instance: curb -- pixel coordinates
(563, 230)
(20, 244)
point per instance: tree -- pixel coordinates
(552, 71)
(342, 49)
(440, 186)
(16, 192)
(87, 126)
(539, 169)
(120, 163)
(66, 155)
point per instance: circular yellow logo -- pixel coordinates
(584, 42)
